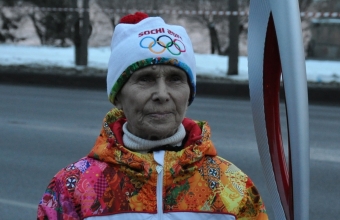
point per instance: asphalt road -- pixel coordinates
(44, 129)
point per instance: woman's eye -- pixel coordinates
(145, 78)
(175, 78)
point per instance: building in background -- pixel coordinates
(325, 42)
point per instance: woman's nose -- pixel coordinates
(161, 91)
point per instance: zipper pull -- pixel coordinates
(159, 169)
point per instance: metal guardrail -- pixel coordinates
(161, 11)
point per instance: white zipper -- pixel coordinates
(159, 158)
(159, 189)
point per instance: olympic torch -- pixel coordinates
(275, 52)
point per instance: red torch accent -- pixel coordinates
(271, 90)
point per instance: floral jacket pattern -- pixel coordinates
(113, 180)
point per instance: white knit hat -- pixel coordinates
(150, 41)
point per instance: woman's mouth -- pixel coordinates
(160, 115)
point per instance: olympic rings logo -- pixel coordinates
(162, 43)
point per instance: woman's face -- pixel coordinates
(154, 101)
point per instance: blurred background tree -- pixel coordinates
(51, 27)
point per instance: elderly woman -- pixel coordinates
(149, 161)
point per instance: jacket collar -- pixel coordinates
(109, 145)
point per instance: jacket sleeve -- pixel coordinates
(253, 208)
(240, 194)
(57, 202)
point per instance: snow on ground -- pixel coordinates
(207, 64)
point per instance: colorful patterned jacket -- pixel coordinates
(113, 182)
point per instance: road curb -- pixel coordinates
(90, 78)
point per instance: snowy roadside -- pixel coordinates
(209, 66)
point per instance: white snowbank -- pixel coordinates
(207, 64)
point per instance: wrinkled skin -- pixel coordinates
(154, 101)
